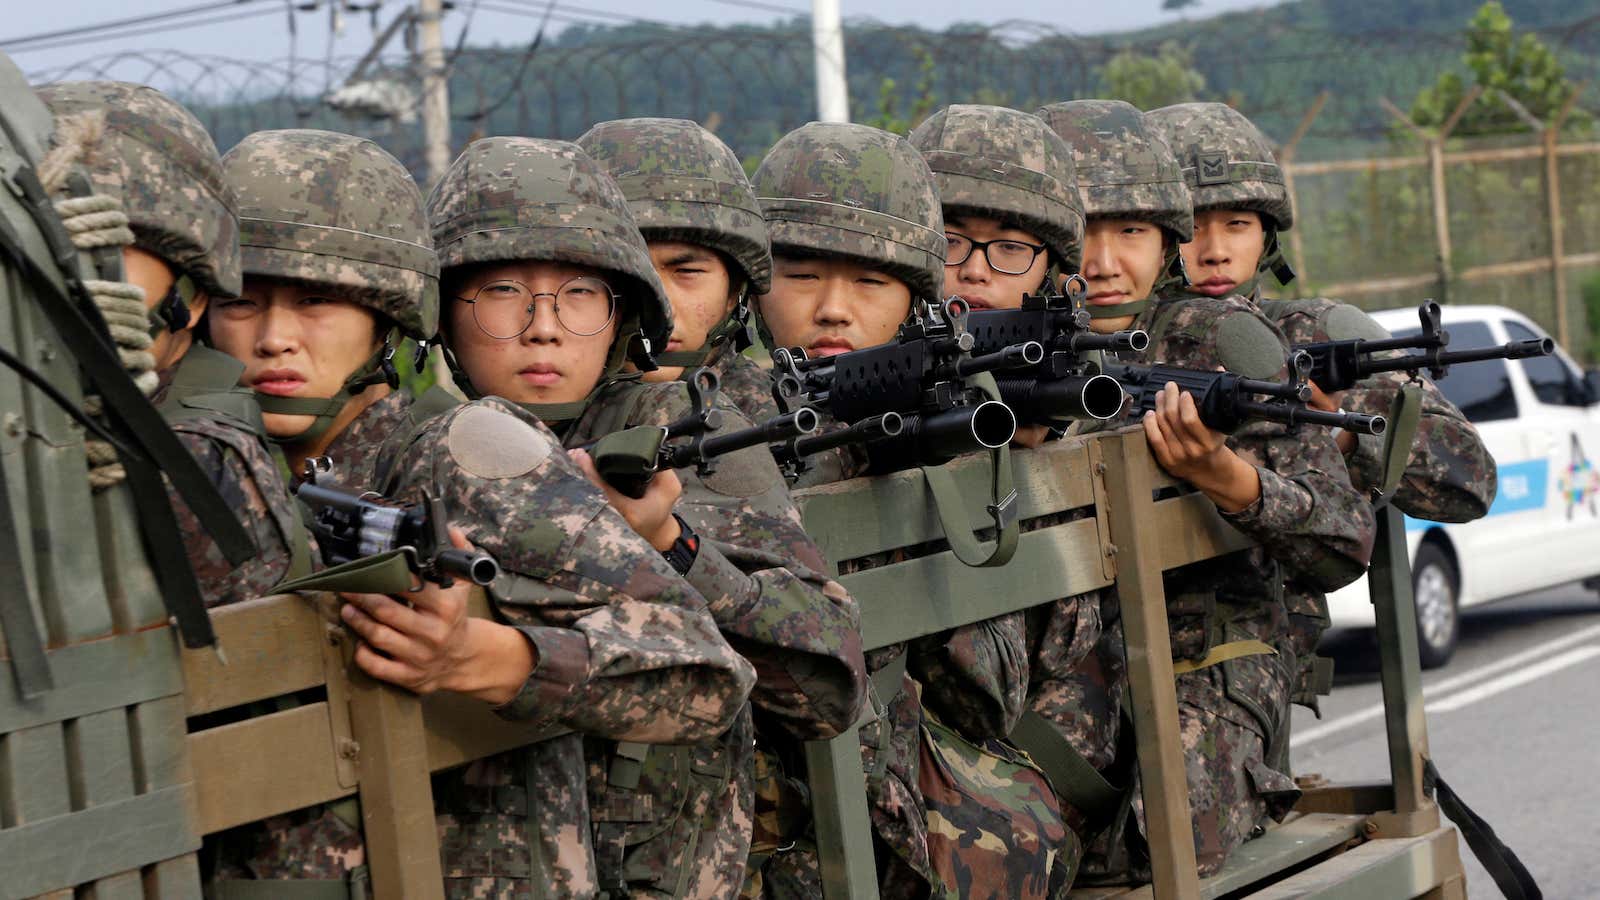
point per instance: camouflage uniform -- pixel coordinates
(683, 184)
(629, 653)
(1009, 166)
(336, 211)
(157, 158)
(1449, 476)
(1308, 520)
(958, 812)
(757, 568)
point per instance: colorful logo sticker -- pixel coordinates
(1580, 481)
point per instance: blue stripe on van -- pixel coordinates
(1523, 486)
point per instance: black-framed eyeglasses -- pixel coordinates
(504, 309)
(1006, 256)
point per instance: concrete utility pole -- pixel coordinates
(435, 89)
(827, 43)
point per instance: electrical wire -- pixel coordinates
(10, 44)
(137, 32)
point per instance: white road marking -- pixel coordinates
(1526, 657)
(1513, 679)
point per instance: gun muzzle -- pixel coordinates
(478, 568)
(1027, 353)
(1295, 414)
(1116, 342)
(876, 428)
(1039, 401)
(953, 432)
(780, 428)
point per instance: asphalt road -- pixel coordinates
(1513, 724)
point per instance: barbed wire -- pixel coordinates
(756, 81)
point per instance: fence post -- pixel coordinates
(1297, 244)
(1434, 142)
(1558, 241)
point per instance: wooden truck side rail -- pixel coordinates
(1113, 520)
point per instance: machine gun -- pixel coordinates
(924, 377)
(1226, 401)
(353, 525)
(630, 458)
(1338, 365)
(1062, 386)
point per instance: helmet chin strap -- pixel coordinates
(172, 313)
(378, 369)
(735, 330)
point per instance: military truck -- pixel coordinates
(126, 738)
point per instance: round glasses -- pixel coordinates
(1006, 257)
(504, 309)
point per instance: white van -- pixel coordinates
(1540, 419)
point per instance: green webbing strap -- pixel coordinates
(952, 509)
(20, 627)
(300, 562)
(688, 359)
(123, 401)
(1508, 872)
(385, 573)
(1118, 310)
(629, 454)
(354, 886)
(1075, 781)
(887, 683)
(1222, 653)
(1405, 417)
(435, 401)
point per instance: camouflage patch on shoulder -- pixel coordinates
(488, 443)
(1345, 322)
(1247, 346)
(746, 473)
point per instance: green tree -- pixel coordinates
(1149, 81)
(888, 116)
(1177, 5)
(1499, 60)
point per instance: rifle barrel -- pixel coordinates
(780, 428)
(1116, 342)
(1027, 353)
(1412, 362)
(1293, 414)
(1287, 390)
(478, 568)
(876, 428)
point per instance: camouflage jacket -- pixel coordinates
(355, 451)
(626, 649)
(220, 424)
(764, 580)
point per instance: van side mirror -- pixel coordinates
(1591, 380)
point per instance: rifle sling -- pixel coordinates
(383, 573)
(1508, 872)
(1075, 781)
(952, 510)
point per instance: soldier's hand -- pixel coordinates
(1187, 449)
(650, 515)
(1330, 403)
(428, 643)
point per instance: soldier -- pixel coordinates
(709, 246)
(1286, 491)
(1242, 207)
(339, 269)
(855, 226)
(708, 242)
(151, 154)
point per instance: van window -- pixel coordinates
(1550, 379)
(1481, 390)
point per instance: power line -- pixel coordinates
(10, 43)
(154, 29)
(765, 7)
(583, 15)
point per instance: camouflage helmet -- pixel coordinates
(684, 184)
(1125, 169)
(157, 158)
(337, 210)
(1227, 161)
(856, 191)
(1008, 165)
(512, 198)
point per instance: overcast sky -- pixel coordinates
(259, 29)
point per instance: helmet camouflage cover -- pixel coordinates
(157, 158)
(1125, 169)
(337, 210)
(856, 191)
(1003, 164)
(512, 198)
(1227, 161)
(684, 184)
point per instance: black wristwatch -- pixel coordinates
(685, 549)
